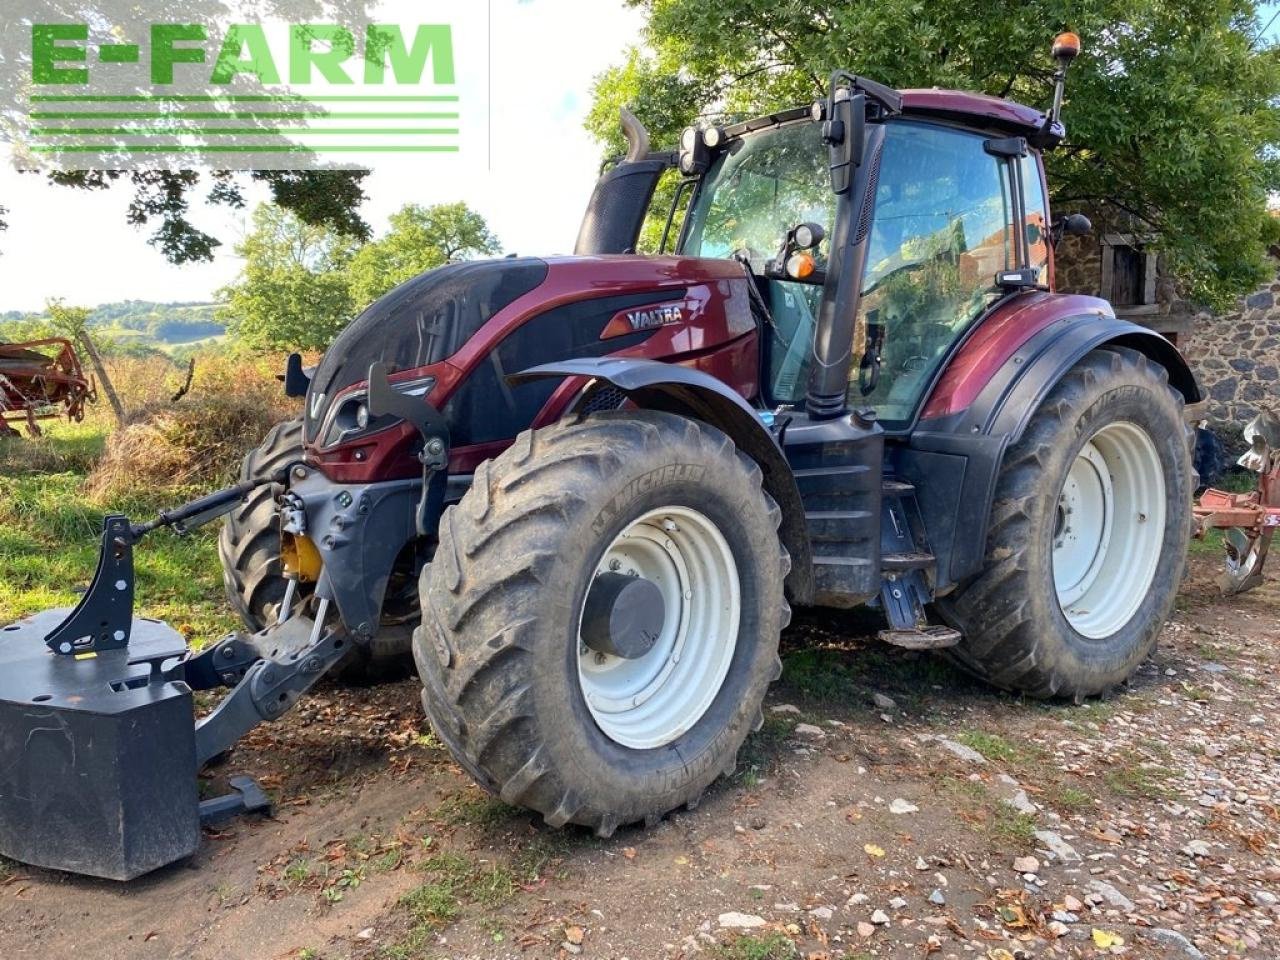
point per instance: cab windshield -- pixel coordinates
(758, 189)
(944, 227)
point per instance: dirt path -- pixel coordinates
(878, 814)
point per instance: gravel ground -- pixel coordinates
(889, 808)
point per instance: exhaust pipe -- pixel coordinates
(637, 136)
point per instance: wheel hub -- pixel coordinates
(1109, 530)
(659, 627)
(623, 615)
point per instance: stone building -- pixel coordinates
(1235, 355)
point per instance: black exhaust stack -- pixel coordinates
(622, 196)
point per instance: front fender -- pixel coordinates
(675, 389)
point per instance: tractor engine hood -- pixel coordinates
(457, 334)
(419, 323)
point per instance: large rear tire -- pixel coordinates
(249, 547)
(1088, 535)
(511, 686)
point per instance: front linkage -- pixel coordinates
(99, 746)
(98, 732)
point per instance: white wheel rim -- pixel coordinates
(1109, 531)
(653, 700)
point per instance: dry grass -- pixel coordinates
(197, 442)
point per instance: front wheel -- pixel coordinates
(1088, 536)
(602, 617)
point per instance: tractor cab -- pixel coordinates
(958, 221)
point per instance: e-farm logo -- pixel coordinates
(249, 95)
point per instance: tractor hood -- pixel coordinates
(419, 323)
(456, 335)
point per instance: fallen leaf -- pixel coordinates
(999, 953)
(872, 850)
(1105, 939)
(629, 852)
(574, 935)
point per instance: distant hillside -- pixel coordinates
(131, 326)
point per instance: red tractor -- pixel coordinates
(591, 487)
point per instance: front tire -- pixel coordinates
(510, 685)
(1088, 535)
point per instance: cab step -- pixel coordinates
(901, 562)
(922, 638)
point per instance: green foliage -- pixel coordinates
(301, 284)
(127, 327)
(49, 537)
(420, 239)
(1171, 122)
(292, 291)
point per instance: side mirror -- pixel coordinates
(1072, 225)
(844, 132)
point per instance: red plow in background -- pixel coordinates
(1249, 519)
(39, 380)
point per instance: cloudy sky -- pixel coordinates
(531, 181)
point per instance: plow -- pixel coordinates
(41, 379)
(584, 492)
(1249, 520)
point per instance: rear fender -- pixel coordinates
(668, 387)
(970, 445)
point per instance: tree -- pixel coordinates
(301, 284)
(292, 292)
(420, 239)
(1170, 111)
(73, 322)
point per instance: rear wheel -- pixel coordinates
(249, 547)
(1088, 536)
(603, 614)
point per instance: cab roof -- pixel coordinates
(979, 109)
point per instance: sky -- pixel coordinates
(531, 183)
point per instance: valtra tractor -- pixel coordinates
(586, 490)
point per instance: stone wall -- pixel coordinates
(1236, 357)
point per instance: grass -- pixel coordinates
(1132, 777)
(454, 882)
(997, 749)
(975, 804)
(1067, 799)
(477, 809)
(49, 537)
(772, 946)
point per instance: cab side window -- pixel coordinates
(943, 229)
(1037, 222)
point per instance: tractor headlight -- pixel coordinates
(349, 417)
